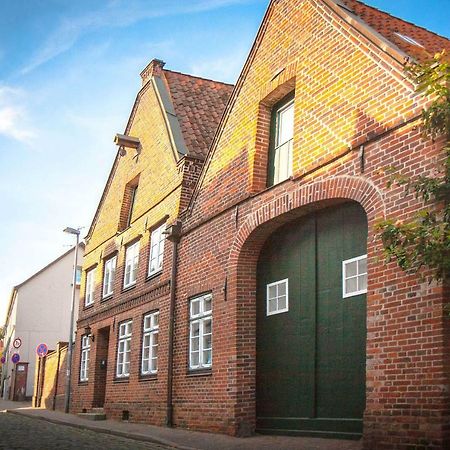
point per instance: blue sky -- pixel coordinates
(69, 73)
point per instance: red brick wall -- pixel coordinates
(50, 379)
(347, 93)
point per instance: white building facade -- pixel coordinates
(38, 313)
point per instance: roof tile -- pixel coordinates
(199, 104)
(388, 26)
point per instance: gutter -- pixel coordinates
(173, 235)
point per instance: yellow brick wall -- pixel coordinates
(345, 89)
(157, 195)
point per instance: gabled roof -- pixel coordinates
(192, 107)
(381, 27)
(16, 287)
(199, 104)
(388, 26)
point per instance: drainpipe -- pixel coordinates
(173, 235)
(57, 376)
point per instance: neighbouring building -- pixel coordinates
(272, 308)
(38, 312)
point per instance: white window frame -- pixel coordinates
(78, 275)
(124, 349)
(85, 355)
(157, 239)
(202, 317)
(150, 333)
(109, 272)
(278, 310)
(131, 264)
(345, 277)
(132, 202)
(90, 287)
(278, 173)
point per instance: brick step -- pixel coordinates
(93, 415)
(98, 410)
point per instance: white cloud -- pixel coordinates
(116, 14)
(13, 116)
(225, 68)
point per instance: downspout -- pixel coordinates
(57, 377)
(173, 235)
(37, 403)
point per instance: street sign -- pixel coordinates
(17, 342)
(42, 350)
(15, 358)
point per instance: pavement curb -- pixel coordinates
(124, 434)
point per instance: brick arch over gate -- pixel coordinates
(285, 205)
(243, 258)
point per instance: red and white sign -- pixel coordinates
(42, 350)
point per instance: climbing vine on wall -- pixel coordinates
(424, 241)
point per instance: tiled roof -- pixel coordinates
(199, 104)
(388, 26)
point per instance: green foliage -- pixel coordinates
(424, 241)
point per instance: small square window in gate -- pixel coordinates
(278, 297)
(354, 276)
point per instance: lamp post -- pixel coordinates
(76, 232)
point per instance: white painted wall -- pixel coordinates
(42, 313)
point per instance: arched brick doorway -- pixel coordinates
(242, 266)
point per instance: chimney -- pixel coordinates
(154, 68)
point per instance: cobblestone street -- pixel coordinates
(18, 432)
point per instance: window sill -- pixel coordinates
(86, 307)
(129, 288)
(199, 372)
(153, 275)
(83, 383)
(122, 230)
(121, 380)
(106, 298)
(290, 178)
(148, 377)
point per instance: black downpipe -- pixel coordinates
(173, 235)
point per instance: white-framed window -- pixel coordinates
(124, 349)
(284, 135)
(108, 276)
(131, 264)
(78, 273)
(150, 334)
(133, 192)
(156, 250)
(354, 276)
(277, 297)
(200, 332)
(90, 285)
(85, 352)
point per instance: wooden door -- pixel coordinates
(311, 354)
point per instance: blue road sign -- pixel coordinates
(15, 358)
(42, 350)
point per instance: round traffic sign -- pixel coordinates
(15, 358)
(2, 360)
(17, 342)
(42, 350)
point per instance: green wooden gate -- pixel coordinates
(311, 358)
